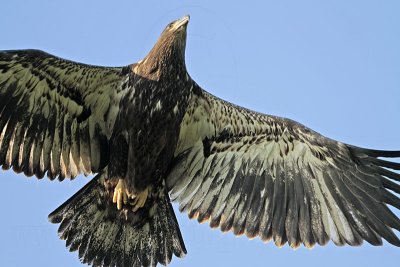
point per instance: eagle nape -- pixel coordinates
(151, 135)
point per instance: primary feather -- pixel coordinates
(56, 116)
(151, 133)
(272, 177)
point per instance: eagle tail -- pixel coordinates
(103, 237)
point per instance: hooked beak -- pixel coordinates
(181, 22)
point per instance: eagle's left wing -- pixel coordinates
(56, 116)
(272, 177)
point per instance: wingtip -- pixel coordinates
(375, 152)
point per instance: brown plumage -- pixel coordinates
(151, 133)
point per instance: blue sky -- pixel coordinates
(332, 65)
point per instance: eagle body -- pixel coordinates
(148, 128)
(151, 135)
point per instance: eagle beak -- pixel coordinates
(181, 22)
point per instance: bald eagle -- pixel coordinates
(152, 135)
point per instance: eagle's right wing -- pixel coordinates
(56, 115)
(272, 177)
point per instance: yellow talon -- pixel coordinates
(122, 195)
(140, 200)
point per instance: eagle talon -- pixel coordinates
(140, 199)
(121, 194)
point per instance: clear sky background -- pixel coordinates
(332, 65)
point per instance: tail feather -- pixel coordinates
(108, 239)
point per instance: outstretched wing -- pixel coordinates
(272, 177)
(55, 115)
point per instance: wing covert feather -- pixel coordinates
(272, 177)
(56, 115)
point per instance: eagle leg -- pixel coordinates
(121, 194)
(140, 200)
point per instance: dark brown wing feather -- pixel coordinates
(55, 115)
(272, 177)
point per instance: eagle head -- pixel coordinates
(168, 54)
